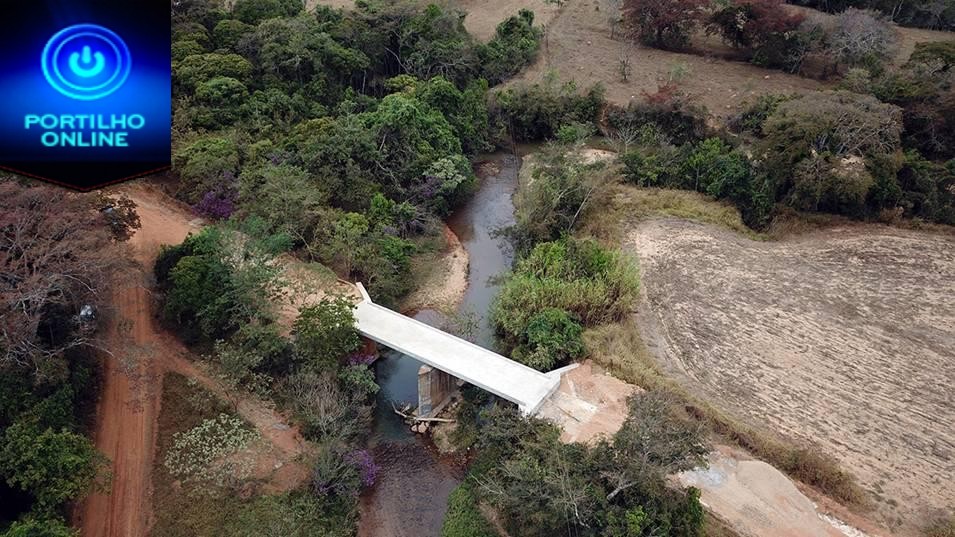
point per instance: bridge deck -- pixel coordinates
(488, 370)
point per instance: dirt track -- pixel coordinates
(130, 401)
(845, 337)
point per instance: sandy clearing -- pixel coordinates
(589, 404)
(845, 337)
(445, 286)
(756, 499)
(129, 405)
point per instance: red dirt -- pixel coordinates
(129, 406)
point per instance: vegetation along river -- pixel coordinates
(410, 497)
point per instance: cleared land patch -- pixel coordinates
(844, 337)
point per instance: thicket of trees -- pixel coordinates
(56, 251)
(542, 486)
(343, 135)
(933, 14)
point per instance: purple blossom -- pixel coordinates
(365, 463)
(218, 204)
(362, 359)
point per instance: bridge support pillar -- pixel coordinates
(434, 387)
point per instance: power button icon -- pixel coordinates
(86, 62)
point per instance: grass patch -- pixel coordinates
(631, 203)
(464, 519)
(620, 349)
(184, 405)
(179, 511)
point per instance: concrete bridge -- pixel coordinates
(510, 380)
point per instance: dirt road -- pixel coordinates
(142, 352)
(845, 337)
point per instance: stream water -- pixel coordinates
(410, 497)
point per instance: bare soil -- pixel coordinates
(578, 47)
(589, 404)
(128, 410)
(756, 499)
(446, 282)
(844, 337)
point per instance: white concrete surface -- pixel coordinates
(526, 387)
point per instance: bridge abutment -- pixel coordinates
(434, 388)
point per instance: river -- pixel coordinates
(410, 497)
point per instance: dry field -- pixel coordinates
(845, 337)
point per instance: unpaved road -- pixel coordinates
(129, 405)
(845, 337)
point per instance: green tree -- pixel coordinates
(551, 338)
(50, 527)
(324, 334)
(54, 467)
(254, 11)
(198, 68)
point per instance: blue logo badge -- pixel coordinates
(86, 62)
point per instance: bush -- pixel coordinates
(324, 334)
(932, 15)
(463, 518)
(753, 24)
(557, 198)
(752, 118)
(536, 112)
(578, 278)
(927, 189)
(55, 467)
(941, 52)
(710, 167)
(255, 11)
(40, 528)
(671, 110)
(551, 338)
(343, 474)
(838, 123)
(209, 454)
(513, 46)
(861, 38)
(665, 25)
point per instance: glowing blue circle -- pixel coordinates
(110, 49)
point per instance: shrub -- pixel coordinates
(558, 197)
(710, 167)
(254, 11)
(838, 123)
(54, 467)
(664, 24)
(575, 277)
(343, 473)
(751, 119)
(551, 338)
(671, 110)
(928, 188)
(752, 24)
(861, 38)
(51, 527)
(513, 46)
(942, 52)
(536, 112)
(207, 454)
(463, 518)
(324, 334)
